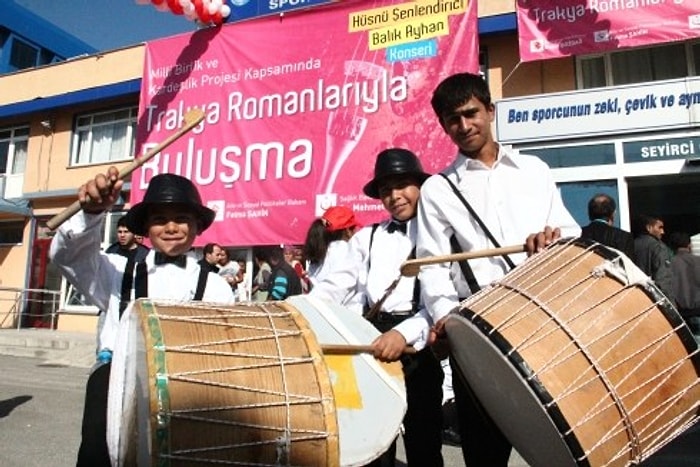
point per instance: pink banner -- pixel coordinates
(298, 107)
(558, 28)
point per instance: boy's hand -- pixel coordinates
(539, 241)
(100, 194)
(389, 346)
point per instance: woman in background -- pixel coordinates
(327, 241)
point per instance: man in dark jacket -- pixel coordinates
(685, 267)
(212, 253)
(284, 280)
(601, 213)
(651, 254)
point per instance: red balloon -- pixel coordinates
(157, 2)
(202, 11)
(175, 7)
(216, 18)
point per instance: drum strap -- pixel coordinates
(140, 284)
(476, 217)
(465, 267)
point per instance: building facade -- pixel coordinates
(62, 122)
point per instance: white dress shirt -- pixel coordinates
(365, 274)
(514, 198)
(336, 252)
(75, 250)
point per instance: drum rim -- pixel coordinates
(668, 310)
(533, 381)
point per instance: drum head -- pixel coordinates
(370, 396)
(501, 388)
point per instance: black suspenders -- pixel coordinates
(141, 283)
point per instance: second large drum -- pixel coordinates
(578, 358)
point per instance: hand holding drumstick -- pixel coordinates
(100, 194)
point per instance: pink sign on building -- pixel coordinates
(558, 28)
(297, 107)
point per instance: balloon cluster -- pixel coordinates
(205, 12)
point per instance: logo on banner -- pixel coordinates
(601, 36)
(219, 207)
(694, 22)
(537, 46)
(325, 201)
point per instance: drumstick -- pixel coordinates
(411, 267)
(191, 119)
(349, 349)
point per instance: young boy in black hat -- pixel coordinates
(375, 254)
(171, 215)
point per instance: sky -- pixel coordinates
(109, 24)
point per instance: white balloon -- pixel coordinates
(225, 11)
(211, 7)
(184, 3)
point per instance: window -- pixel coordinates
(22, 55)
(11, 232)
(667, 61)
(13, 159)
(13, 149)
(576, 156)
(104, 137)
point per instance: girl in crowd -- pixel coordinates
(327, 240)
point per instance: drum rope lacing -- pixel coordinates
(289, 434)
(564, 270)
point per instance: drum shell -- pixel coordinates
(217, 384)
(607, 369)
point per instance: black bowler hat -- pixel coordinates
(168, 189)
(392, 162)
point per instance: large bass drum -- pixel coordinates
(578, 358)
(248, 384)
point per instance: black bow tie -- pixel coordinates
(396, 227)
(179, 260)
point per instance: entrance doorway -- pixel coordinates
(673, 198)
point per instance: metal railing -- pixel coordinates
(28, 307)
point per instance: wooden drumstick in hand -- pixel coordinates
(349, 349)
(412, 267)
(191, 119)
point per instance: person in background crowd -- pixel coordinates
(685, 268)
(127, 246)
(601, 213)
(228, 269)
(327, 241)
(488, 187)
(242, 290)
(284, 280)
(372, 270)
(259, 291)
(171, 214)
(651, 254)
(212, 254)
(292, 255)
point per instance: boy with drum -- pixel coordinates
(489, 194)
(171, 215)
(371, 268)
